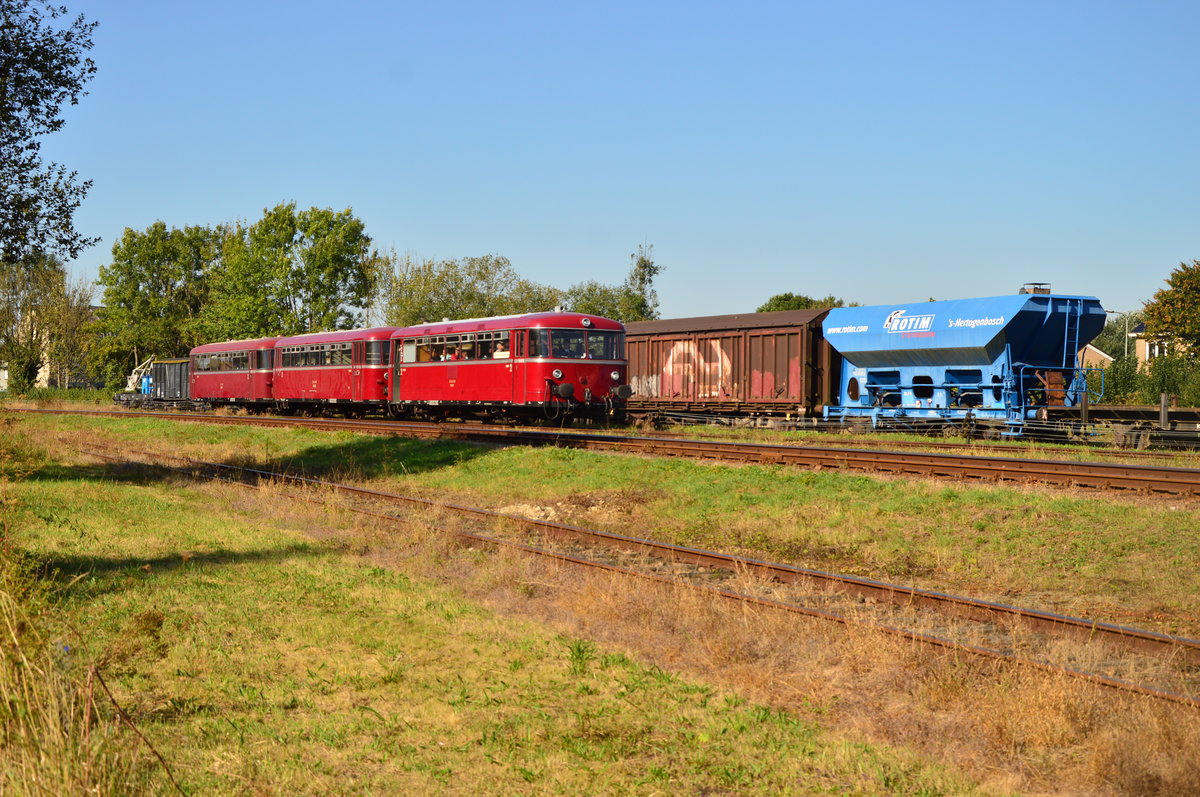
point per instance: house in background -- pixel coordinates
(1091, 357)
(1146, 349)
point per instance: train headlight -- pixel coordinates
(616, 376)
(556, 373)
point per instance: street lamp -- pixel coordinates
(1125, 313)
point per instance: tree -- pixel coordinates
(29, 291)
(633, 300)
(153, 293)
(413, 290)
(42, 67)
(596, 298)
(1113, 340)
(792, 301)
(1174, 312)
(69, 340)
(290, 273)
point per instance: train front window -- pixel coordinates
(605, 345)
(560, 344)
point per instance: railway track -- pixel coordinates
(1166, 667)
(1155, 479)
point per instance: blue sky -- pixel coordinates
(884, 152)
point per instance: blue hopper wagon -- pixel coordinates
(997, 362)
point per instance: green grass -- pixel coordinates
(1116, 556)
(258, 659)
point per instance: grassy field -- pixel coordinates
(268, 646)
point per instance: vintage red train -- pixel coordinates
(555, 366)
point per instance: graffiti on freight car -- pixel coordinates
(687, 372)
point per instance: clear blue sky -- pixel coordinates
(879, 151)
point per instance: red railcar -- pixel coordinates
(233, 372)
(770, 364)
(549, 365)
(347, 370)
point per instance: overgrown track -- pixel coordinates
(1106, 476)
(844, 599)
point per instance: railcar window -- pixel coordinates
(265, 359)
(605, 345)
(558, 343)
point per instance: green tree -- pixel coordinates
(414, 290)
(30, 291)
(153, 293)
(42, 68)
(1113, 340)
(793, 301)
(69, 340)
(596, 298)
(289, 273)
(1174, 312)
(640, 298)
(633, 300)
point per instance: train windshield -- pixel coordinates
(557, 343)
(605, 345)
(576, 344)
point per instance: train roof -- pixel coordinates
(337, 336)
(235, 345)
(551, 320)
(719, 323)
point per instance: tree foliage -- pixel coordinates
(633, 300)
(1174, 312)
(414, 290)
(289, 273)
(32, 295)
(42, 68)
(793, 301)
(70, 338)
(153, 293)
(1113, 339)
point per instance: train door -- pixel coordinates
(358, 351)
(398, 359)
(519, 348)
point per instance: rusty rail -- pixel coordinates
(1061, 473)
(1179, 649)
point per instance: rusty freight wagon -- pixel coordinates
(749, 364)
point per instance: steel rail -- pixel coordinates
(1095, 678)
(1063, 473)
(1134, 639)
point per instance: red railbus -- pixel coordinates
(553, 366)
(345, 370)
(237, 372)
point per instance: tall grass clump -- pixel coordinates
(55, 736)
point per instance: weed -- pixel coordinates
(580, 653)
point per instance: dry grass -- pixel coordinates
(56, 737)
(1012, 729)
(1009, 728)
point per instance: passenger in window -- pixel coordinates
(452, 353)
(501, 350)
